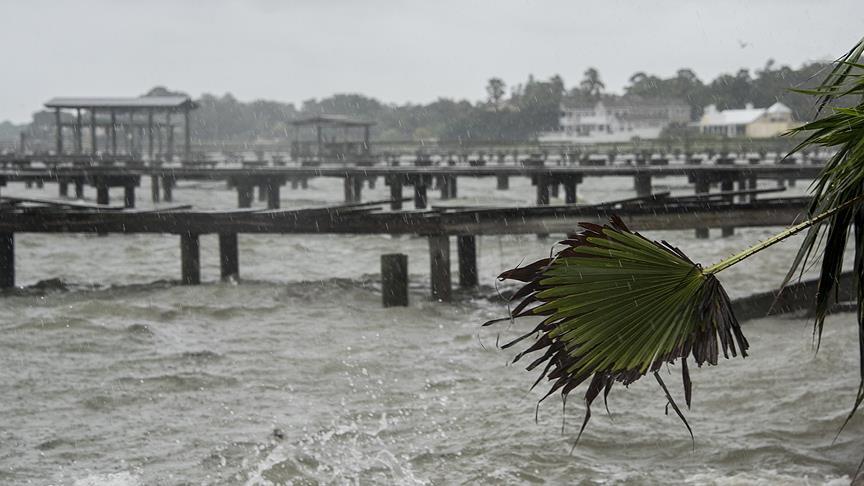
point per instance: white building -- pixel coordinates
(750, 122)
(617, 120)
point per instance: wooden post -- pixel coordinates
(93, 131)
(63, 187)
(59, 133)
(420, 199)
(570, 191)
(79, 133)
(702, 186)
(229, 260)
(358, 189)
(262, 192)
(244, 194)
(169, 155)
(439, 258)
(444, 186)
(453, 187)
(187, 142)
(394, 280)
(154, 188)
(150, 134)
(79, 188)
(273, 194)
(752, 184)
(727, 185)
(503, 183)
(190, 263)
(348, 189)
(7, 260)
(129, 195)
(466, 246)
(642, 183)
(395, 193)
(113, 132)
(102, 194)
(168, 188)
(542, 181)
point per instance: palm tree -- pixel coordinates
(617, 306)
(591, 84)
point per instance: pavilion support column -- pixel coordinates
(187, 133)
(358, 189)
(444, 186)
(394, 280)
(63, 187)
(244, 194)
(728, 185)
(702, 186)
(439, 258)
(542, 181)
(395, 193)
(466, 246)
(262, 191)
(129, 194)
(503, 183)
(169, 155)
(273, 197)
(229, 260)
(7, 260)
(190, 259)
(93, 147)
(642, 183)
(554, 186)
(752, 185)
(454, 193)
(59, 133)
(420, 198)
(113, 127)
(742, 186)
(150, 135)
(79, 133)
(154, 188)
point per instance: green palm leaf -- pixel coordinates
(617, 306)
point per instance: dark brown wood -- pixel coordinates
(129, 195)
(466, 246)
(439, 259)
(702, 186)
(273, 195)
(168, 189)
(154, 189)
(503, 183)
(102, 195)
(63, 188)
(229, 256)
(59, 132)
(420, 199)
(394, 280)
(190, 262)
(570, 191)
(7, 260)
(395, 193)
(244, 194)
(727, 185)
(642, 183)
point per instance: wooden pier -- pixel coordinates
(658, 212)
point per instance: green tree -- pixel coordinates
(495, 90)
(591, 84)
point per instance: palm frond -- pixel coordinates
(617, 306)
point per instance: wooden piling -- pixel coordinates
(394, 280)
(273, 195)
(420, 199)
(79, 189)
(63, 188)
(168, 189)
(229, 260)
(542, 190)
(244, 194)
(466, 246)
(439, 259)
(570, 191)
(702, 186)
(190, 262)
(154, 188)
(102, 194)
(727, 185)
(642, 183)
(348, 189)
(262, 192)
(454, 193)
(395, 193)
(7, 260)
(129, 195)
(503, 183)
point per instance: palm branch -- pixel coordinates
(841, 180)
(616, 306)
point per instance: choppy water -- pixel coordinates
(298, 376)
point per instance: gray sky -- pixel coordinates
(396, 51)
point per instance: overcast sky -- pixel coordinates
(397, 51)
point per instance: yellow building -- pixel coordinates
(750, 122)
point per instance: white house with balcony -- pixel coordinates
(749, 122)
(617, 120)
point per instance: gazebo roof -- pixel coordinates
(333, 120)
(143, 102)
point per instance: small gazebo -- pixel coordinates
(331, 138)
(153, 118)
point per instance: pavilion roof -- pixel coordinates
(334, 120)
(143, 102)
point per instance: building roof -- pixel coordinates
(334, 120)
(741, 116)
(143, 102)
